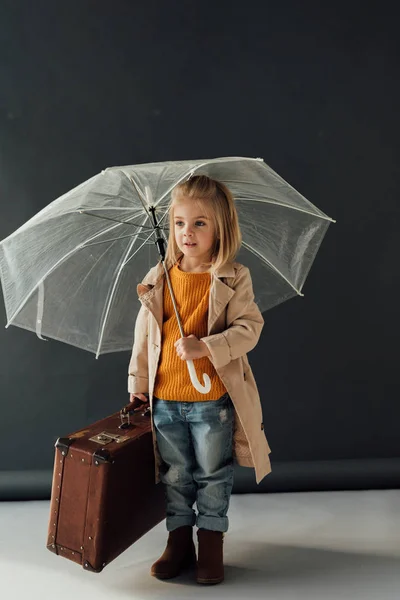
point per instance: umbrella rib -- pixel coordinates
(81, 284)
(135, 185)
(276, 176)
(60, 261)
(112, 292)
(85, 212)
(179, 180)
(136, 251)
(101, 194)
(203, 164)
(191, 170)
(114, 240)
(120, 208)
(272, 201)
(261, 257)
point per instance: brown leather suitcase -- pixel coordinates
(104, 496)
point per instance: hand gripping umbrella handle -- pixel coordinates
(203, 389)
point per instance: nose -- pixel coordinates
(188, 232)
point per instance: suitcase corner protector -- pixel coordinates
(88, 567)
(52, 547)
(63, 444)
(101, 456)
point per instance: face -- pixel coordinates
(191, 225)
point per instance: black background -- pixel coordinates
(311, 87)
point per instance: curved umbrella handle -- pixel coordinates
(203, 389)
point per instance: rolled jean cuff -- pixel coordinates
(175, 521)
(212, 523)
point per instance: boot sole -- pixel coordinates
(210, 581)
(164, 575)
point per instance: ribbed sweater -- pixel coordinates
(172, 381)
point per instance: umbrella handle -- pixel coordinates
(203, 389)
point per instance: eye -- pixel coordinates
(178, 223)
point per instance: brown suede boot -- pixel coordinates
(210, 564)
(179, 554)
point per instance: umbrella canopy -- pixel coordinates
(70, 273)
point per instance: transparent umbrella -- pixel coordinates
(70, 272)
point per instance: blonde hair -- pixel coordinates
(219, 206)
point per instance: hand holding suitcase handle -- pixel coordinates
(136, 404)
(139, 401)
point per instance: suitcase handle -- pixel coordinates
(130, 409)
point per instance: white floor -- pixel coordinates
(326, 545)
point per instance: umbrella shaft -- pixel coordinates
(159, 239)
(173, 300)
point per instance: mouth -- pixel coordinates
(190, 245)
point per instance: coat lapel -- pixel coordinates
(220, 295)
(151, 293)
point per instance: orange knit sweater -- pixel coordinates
(172, 382)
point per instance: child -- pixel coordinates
(196, 436)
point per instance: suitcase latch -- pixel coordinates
(105, 438)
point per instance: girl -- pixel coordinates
(196, 436)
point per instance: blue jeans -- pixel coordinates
(195, 443)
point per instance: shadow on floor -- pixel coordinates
(263, 569)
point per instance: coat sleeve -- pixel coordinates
(245, 324)
(138, 371)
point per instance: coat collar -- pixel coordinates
(157, 273)
(150, 291)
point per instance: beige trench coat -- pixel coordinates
(234, 327)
